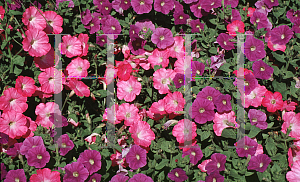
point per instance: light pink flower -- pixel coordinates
(184, 130)
(43, 112)
(177, 50)
(71, 46)
(129, 89)
(25, 85)
(142, 133)
(33, 18)
(110, 114)
(54, 22)
(13, 124)
(255, 97)
(292, 122)
(128, 113)
(84, 38)
(79, 87)
(52, 80)
(13, 100)
(110, 74)
(225, 120)
(77, 68)
(162, 78)
(181, 64)
(36, 43)
(294, 174)
(174, 102)
(159, 57)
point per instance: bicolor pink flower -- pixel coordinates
(45, 175)
(236, 26)
(84, 38)
(162, 37)
(202, 110)
(255, 97)
(225, 120)
(142, 6)
(38, 157)
(129, 113)
(13, 124)
(75, 172)
(181, 65)
(174, 102)
(30, 143)
(136, 157)
(293, 154)
(294, 174)
(275, 47)
(71, 46)
(159, 57)
(36, 43)
(288, 105)
(43, 112)
(142, 133)
(178, 175)
(184, 130)
(91, 159)
(25, 86)
(15, 175)
(52, 80)
(157, 110)
(203, 165)
(78, 67)
(177, 50)
(292, 122)
(54, 22)
(2, 12)
(13, 100)
(272, 101)
(129, 89)
(110, 114)
(80, 89)
(33, 19)
(65, 144)
(162, 78)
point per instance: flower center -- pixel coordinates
(198, 72)
(79, 69)
(162, 3)
(180, 81)
(263, 7)
(181, 17)
(193, 153)
(201, 110)
(137, 157)
(246, 83)
(32, 42)
(282, 36)
(225, 43)
(246, 147)
(11, 123)
(39, 156)
(199, 7)
(214, 180)
(94, 180)
(75, 174)
(114, 28)
(212, 3)
(106, 8)
(273, 101)
(164, 81)
(272, 1)
(92, 24)
(161, 37)
(218, 165)
(252, 48)
(209, 98)
(176, 174)
(197, 26)
(17, 179)
(254, 120)
(126, 2)
(261, 165)
(91, 161)
(50, 78)
(31, 18)
(128, 115)
(11, 100)
(262, 68)
(64, 145)
(224, 102)
(142, 2)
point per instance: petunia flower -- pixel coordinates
(43, 112)
(271, 3)
(235, 15)
(259, 19)
(46, 61)
(196, 9)
(70, 46)
(262, 7)
(262, 70)
(119, 178)
(180, 18)
(209, 93)
(86, 16)
(33, 19)
(217, 163)
(236, 26)
(157, 110)
(65, 144)
(30, 143)
(2, 12)
(3, 171)
(246, 146)
(224, 41)
(275, 47)
(38, 157)
(194, 153)
(184, 130)
(58, 120)
(162, 37)
(214, 177)
(255, 97)
(233, 3)
(281, 35)
(101, 40)
(159, 57)
(288, 105)
(178, 175)
(91, 159)
(51, 80)
(121, 5)
(13, 100)
(254, 48)
(71, 3)
(177, 50)
(259, 163)
(293, 15)
(273, 101)
(3, 138)
(197, 68)
(124, 71)
(174, 102)
(136, 157)
(15, 175)
(13, 124)
(140, 177)
(162, 78)
(95, 178)
(142, 6)
(203, 165)
(136, 45)
(45, 175)
(294, 174)
(291, 122)
(258, 118)
(105, 8)
(164, 6)
(223, 103)
(142, 133)
(15, 150)
(77, 68)
(225, 120)
(202, 110)
(36, 43)
(209, 4)
(196, 26)
(54, 22)
(93, 25)
(75, 172)
(128, 113)
(179, 80)
(129, 89)
(25, 85)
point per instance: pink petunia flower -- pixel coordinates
(273, 101)
(13, 100)
(129, 89)
(25, 85)
(159, 57)
(288, 105)
(292, 122)
(110, 114)
(38, 157)
(45, 175)
(236, 26)
(13, 124)
(184, 130)
(294, 174)
(157, 110)
(36, 43)
(162, 78)
(162, 37)
(129, 113)
(91, 159)
(225, 120)
(33, 18)
(255, 97)
(52, 80)
(2, 12)
(54, 22)
(275, 47)
(43, 112)
(181, 65)
(71, 46)
(177, 50)
(78, 67)
(75, 172)
(174, 102)
(80, 89)
(84, 38)
(142, 133)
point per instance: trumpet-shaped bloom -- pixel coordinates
(184, 130)
(65, 144)
(129, 113)
(292, 122)
(259, 163)
(225, 120)
(142, 6)
(52, 80)
(43, 112)
(91, 159)
(136, 157)
(45, 175)
(129, 89)
(162, 37)
(13, 124)
(25, 85)
(38, 157)
(13, 100)
(54, 22)
(78, 68)
(254, 48)
(202, 110)
(36, 43)
(71, 46)
(75, 172)
(142, 133)
(33, 18)
(15, 175)
(162, 78)
(272, 101)
(80, 89)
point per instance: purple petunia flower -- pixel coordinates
(121, 5)
(95, 178)
(271, 3)
(296, 26)
(196, 25)
(75, 172)
(177, 175)
(196, 8)
(136, 46)
(177, 6)
(233, 3)
(93, 26)
(293, 15)
(164, 6)
(209, 93)
(202, 110)
(15, 4)
(144, 25)
(197, 68)
(119, 178)
(52, 132)
(235, 15)
(58, 120)
(179, 80)
(136, 157)
(15, 175)
(101, 40)
(260, 19)
(140, 177)
(134, 32)
(262, 7)
(142, 6)
(15, 150)
(162, 37)
(111, 26)
(71, 3)
(91, 159)
(250, 83)
(30, 143)
(217, 61)
(217, 163)
(105, 8)
(180, 18)
(209, 4)
(259, 163)
(261, 70)
(194, 153)
(223, 103)
(98, 3)
(214, 177)
(189, 1)
(254, 48)
(65, 144)
(3, 137)
(258, 118)
(246, 146)
(86, 17)
(281, 35)
(38, 157)
(224, 41)
(3, 171)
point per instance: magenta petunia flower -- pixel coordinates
(180, 18)
(15, 151)
(75, 172)
(95, 178)
(235, 15)
(271, 3)
(91, 159)
(259, 163)
(259, 19)
(293, 15)
(179, 80)
(30, 143)
(223, 103)
(250, 83)
(196, 26)
(281, 35)
(254, 48)
(136, 157)
(196, 9)
(101, 40)
(217, 163)
(142, 6)
(246, 146)
(105, 8)
(121, 5)
(71, 3)
(58, 120)
(111, 26)
(119, 178)
(140, 177)
(258, 118)
(65, 144)
(136, 45)
(3, 137)
(15, 4)
(197, 68)
(214, 177)
(202, 110)
(164, 6)
(262, 7)
(233, 3)
(15, 175)
(38, 157)
(195, 154)
(209, 4)
(177, 175)
(86, 17)
(93, 25)
(225, 42)
(209, 93)
(162, 37)
(296, 26)
(261, 70)
(3, 171)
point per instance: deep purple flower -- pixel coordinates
(261, 70)
(15, 150)
(75, 172)
(223, 103)
(93, 26)
(99, 3)
(209, 4)
(30, 143)
(262, 7)
(136, 46)
(38, 157)
(3, 171)
(140, 177)
(111, 26)
(214, 177)
(281, 35)
(144, 25)
(209, 93)
(101, 40)
(293, 15)
(86, 17)
(196, 25)
(195, 154)
(65, 144)
(142, 6)
(105, 8)
(52, 132)
(254, 48)
(260, 19)
(134, 32)
(271, 3)
(196, 8)
(178, 6)
(202, 110)
(259, 163)
(217, 163)
(136, 157)
(177, 175)
(224, 41)
(15, 4)
(246, 146)
(71, 3)
(197, 68)
(119, 178)
(15, 175)
(180, 17)
(164, 6)
(58, 120)
(189, 1)
(235, 15)
(95, 178)
(258, 118)
(121, 5)
(250, 83)
(162, 37)
(233, 3)
(3, 137)
(296, 26)
(91, 159)
(37, 4)
(179, 80)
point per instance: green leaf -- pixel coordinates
(13, 12)
(17, 71)
(80, 29)
(229, 133)
(279, 57)
(108, 164)
(271, 146)
(161, 175)
(208, 151)
(74, 117)
(148, 47)
(162, 164)
(213, 50)
(205, 135)
(288, 74)
(276, 70)
(253, 131)
(225, 67)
